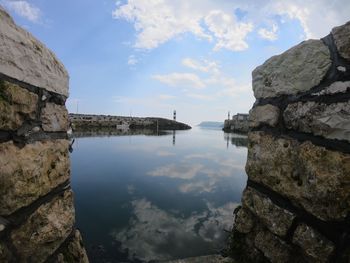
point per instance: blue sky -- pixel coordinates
(149, 57)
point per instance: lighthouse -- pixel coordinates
(174, 115)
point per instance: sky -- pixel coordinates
(150, 57)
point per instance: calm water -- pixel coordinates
(145, 198)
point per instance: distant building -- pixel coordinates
(238, 123)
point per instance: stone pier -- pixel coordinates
(36, 209)
(296, 206)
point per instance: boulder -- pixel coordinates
(331, 121)
(73, 251)
(313, 243)
(335, 88)
(16, 105)
(275, 218)
(297, 70)
(341, 35)
(24, 58)
(244, 221)
(264, 115)
(54, 118)
(45, 230)
(31, 172)
(273, 248)
(311, 177)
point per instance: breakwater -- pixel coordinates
(37, 216)
(296, 206)
(87, 121)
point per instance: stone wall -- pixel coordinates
(36, 209)
(296, 206)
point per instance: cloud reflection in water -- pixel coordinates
(154, 233)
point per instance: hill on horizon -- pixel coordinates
(212, 124)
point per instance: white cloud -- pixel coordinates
(229, 33)
(316, 19)
(204, 66)
(269, 34)
(215, 78)
(158, 21)
(181, 80)
(132, 60)
(184, 171)
(24, 9)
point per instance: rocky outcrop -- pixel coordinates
(296, 206)
(36, 210)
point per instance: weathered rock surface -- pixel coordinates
(16, 105)
(272, 247)
(329, 121)
(312, 177)
(54, 118)
(74, 251)
(24, 58)
(264, 115)
(31, 172)
(297, 70)
(298, 193)
(245, 221)
(275, 218)
(204, 259)
(313, 243)
(46, 229)
(5, 253)
(334, 88)
(341, 35)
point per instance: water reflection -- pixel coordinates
(238, 140)
(155, 233)
(141, 198)
(107, 132)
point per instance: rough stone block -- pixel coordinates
(31, 172)
(313, 243)
(24, 58)
(54, 118)
(5, 253)
(297, 70)
(275, 218)
(16, 105)
(244, 221)
(341, 35)
(335, 88)
(312, 177)
(329, 121)
(46, 229)
(73, 251)
(273, 248)
(264, 115)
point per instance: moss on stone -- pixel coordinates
(3, 88)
